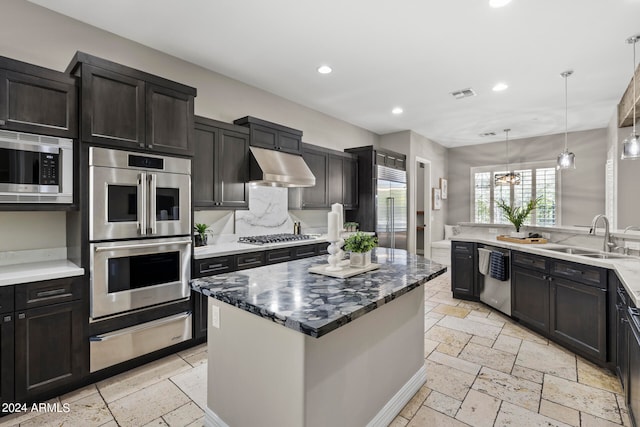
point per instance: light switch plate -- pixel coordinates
(632, 245)
(215, 316)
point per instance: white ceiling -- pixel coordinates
(406, 53)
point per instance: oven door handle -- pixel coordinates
(141, 245)
(153, 183)
(142, 203)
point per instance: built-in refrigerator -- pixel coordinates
(391, 207)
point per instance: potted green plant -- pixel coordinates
(201, 234)
(517, 215)
(360, 246)
(351, 226)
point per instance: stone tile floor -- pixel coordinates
(483, 369)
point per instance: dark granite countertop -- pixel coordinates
(315, 304)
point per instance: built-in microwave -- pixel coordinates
(35, 168)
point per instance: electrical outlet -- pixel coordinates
(632, 245)
(215, 316)
(493, 231)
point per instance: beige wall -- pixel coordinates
(36, 35)
(582, 190)
(628, 177)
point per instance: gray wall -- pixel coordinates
(628, 177)
(36, 35)
(582, 189)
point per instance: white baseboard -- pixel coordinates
(211, 419)
(401, 398)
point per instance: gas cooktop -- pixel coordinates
(273, 238)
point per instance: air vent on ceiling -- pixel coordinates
(463, 93)
(488, 134)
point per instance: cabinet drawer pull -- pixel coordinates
(7, 319)
(214, 266)
(21, 316)
(573, 271)
(43, 294)
(247, 260)
(2, 123)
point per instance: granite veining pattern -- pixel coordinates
(314, 304)
(267, 212)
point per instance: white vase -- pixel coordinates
(360, 259)
(518, 234)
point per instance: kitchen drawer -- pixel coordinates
(306, 251)
(213, 266)
(463, 247)
(6, 299)
(533, 262)
(322, 248)
(250, 260)
(275, 256)
(47, 292)
(586, 274)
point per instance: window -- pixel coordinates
(536, 180)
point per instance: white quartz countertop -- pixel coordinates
(232, 248)
(15, 274)
(627, 269)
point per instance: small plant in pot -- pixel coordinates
(360, 246)
(201, 234)
(517, 215)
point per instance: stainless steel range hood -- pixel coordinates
(282, 169)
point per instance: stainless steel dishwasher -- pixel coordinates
(493, 292)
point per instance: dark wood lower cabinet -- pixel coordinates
(579, 317)
(633, 385)
(463, 270)
(6, 358)
(48, 349)
(530, 298)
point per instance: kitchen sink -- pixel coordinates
(605, 255)
(575, 251)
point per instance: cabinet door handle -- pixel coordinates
(21, 316)
(2, 123)
(7, 319)
(545, 277)
(43, 294)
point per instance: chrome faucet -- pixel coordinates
(608, 243)
(632, 227)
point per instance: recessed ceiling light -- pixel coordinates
(499, 87)
(397, 111)
(499, 3)
(324, 69)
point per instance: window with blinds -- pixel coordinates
(536, 180)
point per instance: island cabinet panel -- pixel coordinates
(37, 100)
(530, 298)
(579, 317)
(48, 348)
(220, 165)
(463, 270)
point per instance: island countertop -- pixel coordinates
(314, 304)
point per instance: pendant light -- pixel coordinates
(509, 178)
(566, 159)
(631, 145)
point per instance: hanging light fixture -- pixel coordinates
(566, 159)
(508, 178)
(631, 145)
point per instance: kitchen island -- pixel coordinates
(290, 348)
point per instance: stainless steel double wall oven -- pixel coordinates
(140, 249)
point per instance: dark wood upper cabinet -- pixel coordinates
(129, 109)
(334, 179)
(316, 197)
(220, 165)
(37, 100)
(271, 135)
(350, 182)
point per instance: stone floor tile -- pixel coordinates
(18, 418)
(158, 422)
(478, 409)
(561, 413)
(443, 403)
(589, 420)
(478, 313)
(444, 297)
(508, 388)
(448, 336)
(111, 423)
(184, 415)
(399, 421)
(485, 356)
(448, 381)
(131, 381)
(547, 359)
(415, 403)
(514, 415)
(498, 323)
(487, 342)
(193, 350)
(517, 331)
(475, 306)
(434, 315)
(197, 423)
(455, 363)
(624, 413)
(159, 398)
(451, 350)
(496, 315)
(427, 417)
(79, 393)
(88, 411)
(507, 343)
(470, 326)
(590, 374)
(193, 383)
(451, 310)
(429, 322)
(594, 401)
(527, 374)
